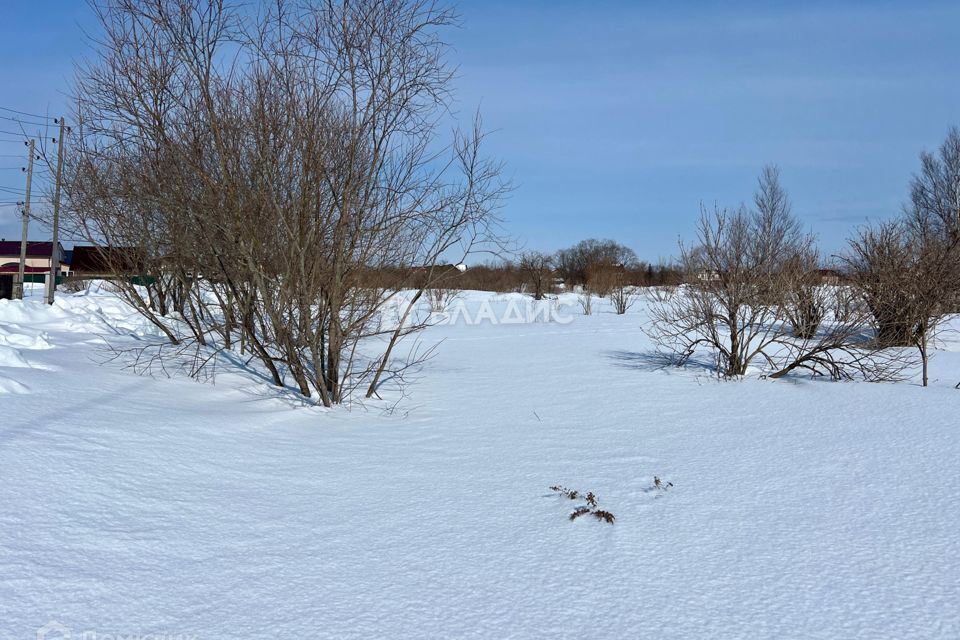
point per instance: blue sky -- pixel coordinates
(616, 119)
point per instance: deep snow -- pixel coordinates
(132, 505)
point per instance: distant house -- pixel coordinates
(708, 275)
(829, 276)
(92, 262)
(38, 258)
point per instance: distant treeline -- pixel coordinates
(594, 264)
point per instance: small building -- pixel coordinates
(708, 275)
(38, 259)
(829, 276)
(88, 261)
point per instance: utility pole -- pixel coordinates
(54, 253)
(18, 285)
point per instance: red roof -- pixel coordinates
(34, 249)
(14, 267)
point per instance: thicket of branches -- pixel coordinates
(586, 259)
(753, 297)
(536, 269)
(908, 270)
(275, 176)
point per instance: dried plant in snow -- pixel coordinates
(439, 299)
(592, 506)
(660, 484)
(585, 300)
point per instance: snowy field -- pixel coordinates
(161, 507)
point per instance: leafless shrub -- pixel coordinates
(881, 266)
(440, 299)
(908, 270)
(603, 276)
(745, 274)
(268, 180)
(502, 277)
(577, 264)
(537, 271)
(585, 300)
(933, 220)
(623, 296)
(805, 298)
(75, 285)
(846, 302)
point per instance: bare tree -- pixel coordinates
(881, 262)
(908, 270)
(746, 275)
(907, 277)
(602, 276)
(933, 220)
(935, 191)
(588, 257)
(276, 177)
(537, 271)
(622, 294)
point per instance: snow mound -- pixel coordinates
(19, 337)
(28, 312)
(11, 386)
(10, 357)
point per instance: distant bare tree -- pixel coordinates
(537, 271)
(585, 300)
(603, 276)
(439, 299)
(622, 294)
(577, 263)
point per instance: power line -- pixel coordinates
(23, 169)
(24, 113)
(19, 203)
(19, 121)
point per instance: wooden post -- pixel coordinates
(54, 253)
(18, 285)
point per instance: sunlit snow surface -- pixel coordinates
(143, 505)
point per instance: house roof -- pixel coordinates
(34, 249)
(14, 267)
(92, 259)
